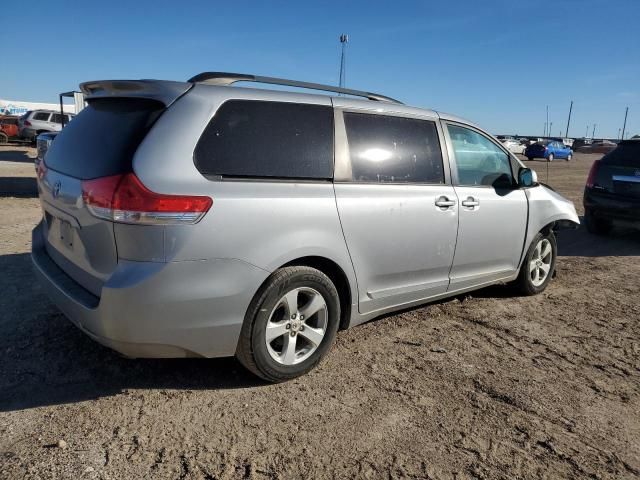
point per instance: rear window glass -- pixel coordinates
(627, 154)
(103, 137)
(248, 138)
(386, 149)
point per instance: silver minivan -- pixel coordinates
(202, 219)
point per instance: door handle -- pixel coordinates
(443, 202)
(470, 202)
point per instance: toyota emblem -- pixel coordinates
(56, 189)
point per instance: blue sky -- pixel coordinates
(496, 62)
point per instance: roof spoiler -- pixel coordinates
(225, 78)
(161, 90)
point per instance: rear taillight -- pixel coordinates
(123, 198)
(41, 169)
(27, 123)
(591, 179)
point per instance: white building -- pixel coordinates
(16, 107)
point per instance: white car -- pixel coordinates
(513, 145)
(35, 122)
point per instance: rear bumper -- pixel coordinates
(535, 154)
(612, 207)
(27, 132)
(146, 309)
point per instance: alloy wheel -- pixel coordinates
(296, 326)
(540, 263)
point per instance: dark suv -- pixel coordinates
(612, 192)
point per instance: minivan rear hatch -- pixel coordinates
(100, 142)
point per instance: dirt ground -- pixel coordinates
(485, 386)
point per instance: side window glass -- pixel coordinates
(478, 160)
(42, 116)
(386, 149)
(55, 118)
(250, 138)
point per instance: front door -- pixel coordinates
(398, 210)
(492, 210)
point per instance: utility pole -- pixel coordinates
(626, 112)
(593, 134)
(549, 131)
(586, 134)
(566, 134)
(547, 124)
(344, 39)
(619, 137)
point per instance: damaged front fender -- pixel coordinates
(548, 208)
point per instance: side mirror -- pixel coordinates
(527, 177)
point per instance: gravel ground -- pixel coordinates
(489, 385)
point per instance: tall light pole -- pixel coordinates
(586, 134)
(566, 133)
(344, 39)
(626, 112)
(547, 129)
(619, 137)
(593, 134)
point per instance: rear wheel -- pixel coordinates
(290, 325)
(538, 265)
(597, 226)
(550, 157)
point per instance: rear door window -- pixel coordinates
(103, 137)
(42, 116)
(248, 138)
(388, 149)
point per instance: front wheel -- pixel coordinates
(550, 157)
(538, 265)
(569, 157)
(290, 325)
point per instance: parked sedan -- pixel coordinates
(612, 192)
(549, 151)
(513, 145)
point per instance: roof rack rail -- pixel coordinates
(225, 78)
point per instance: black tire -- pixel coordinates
(569, 157)
(252, 349)
(530, 159)
(3, 138)
(524, 283)
(550, 157)
(596, 226)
